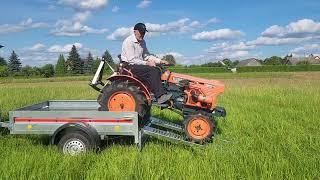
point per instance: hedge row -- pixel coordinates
(248, 69)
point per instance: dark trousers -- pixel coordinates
(149, 76)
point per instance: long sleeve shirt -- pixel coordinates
(136, 52)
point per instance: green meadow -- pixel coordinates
(272, 131)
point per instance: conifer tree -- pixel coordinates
(61, 68)
(14, 63)
(74, 64)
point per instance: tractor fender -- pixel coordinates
(77, 126)
(137, 82)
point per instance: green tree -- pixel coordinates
(61, 68)
(36, 71)
(14, 63)
(95, 64)
(47, 70)
(274, 60)
(235, 63)
(3, 62)
(74, 65)
(212, 64)
(303, 63)
(27, 71)
(107, 57)
(169, 58)
(4, 71)
(88, 64)
(227, 62)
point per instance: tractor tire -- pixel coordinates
(74, 143)
(199, 128)
(124, 97)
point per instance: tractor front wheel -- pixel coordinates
(199, 128)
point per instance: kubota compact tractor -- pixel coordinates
(194, 98)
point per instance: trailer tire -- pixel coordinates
(74, 143)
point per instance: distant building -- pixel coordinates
(311, 59)
(249, 62)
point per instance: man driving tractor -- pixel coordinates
(136, 57)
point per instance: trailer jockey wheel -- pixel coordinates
(74, 143)
(198, 128)
(123, 96)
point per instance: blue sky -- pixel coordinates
(193, 31)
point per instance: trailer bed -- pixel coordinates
(48, 116)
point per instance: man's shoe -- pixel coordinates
(164, 98)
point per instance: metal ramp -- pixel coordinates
(152, 130)
(166, 124)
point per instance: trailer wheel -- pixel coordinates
(74, 143)
(198, 128)
(123, 96)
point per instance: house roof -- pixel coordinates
(310, 59)
(247, 61)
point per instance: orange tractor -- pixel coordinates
(195, 99)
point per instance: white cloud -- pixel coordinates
(180, 26)
(74, 27)
(213, 21)
(299, 29)
(241, 46)
(37, 47)
(22, 26)
(120, 33)
(307, 49)
(277, 41)
(194, 24)
(84, 4)
(233, 51)
(64, 48)
(293, 33)
(115, 9)
(144, 4)
(220, 34)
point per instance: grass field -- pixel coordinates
(272, 131)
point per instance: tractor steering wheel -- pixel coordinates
(163, 67)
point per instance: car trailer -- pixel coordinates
(77, 126)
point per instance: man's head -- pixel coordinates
(139, 31)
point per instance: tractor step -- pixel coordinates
(166, 124)
(166, 135)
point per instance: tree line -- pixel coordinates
(73, 65)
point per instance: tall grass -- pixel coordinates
(271, 131)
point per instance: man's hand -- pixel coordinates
(151, 63)
(164, 62)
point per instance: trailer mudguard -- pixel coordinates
(77, 126)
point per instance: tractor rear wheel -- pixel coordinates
(198, 128)
(124, 97)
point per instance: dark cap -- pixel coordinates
(140, 27)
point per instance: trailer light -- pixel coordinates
(29, 126)
(116, 128)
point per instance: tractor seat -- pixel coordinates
(123, 67)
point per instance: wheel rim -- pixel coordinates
(121, 101)
(74, 147)
(199, 128)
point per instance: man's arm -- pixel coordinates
(147, 56)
